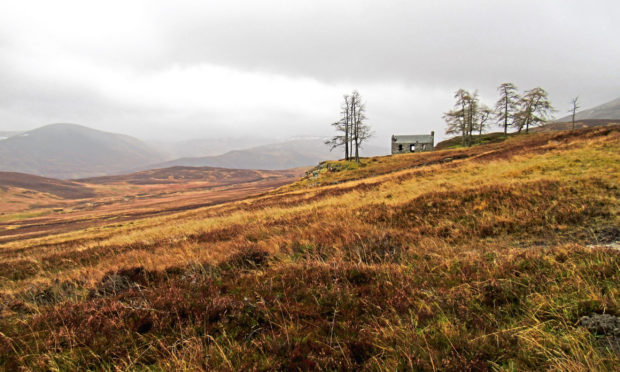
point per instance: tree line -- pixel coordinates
(352, 128)
(512, 109)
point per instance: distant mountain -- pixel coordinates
(609, 110)
(602, 115)
(208, 146)
(283, 155)
(72, 151)
(579, 124)
(4, 134)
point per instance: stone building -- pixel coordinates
(404, 144)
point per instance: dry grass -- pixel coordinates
(465, 259)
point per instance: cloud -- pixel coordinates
(202, 68)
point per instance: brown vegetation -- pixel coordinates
(466, 259)
(35, 206)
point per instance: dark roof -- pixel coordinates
(420, 138)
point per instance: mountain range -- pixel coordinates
(70, 151)
(275, 156)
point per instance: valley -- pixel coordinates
(36, 206)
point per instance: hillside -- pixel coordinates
(579, 124)
(607, 114)
(70, 151)
(607, 111)
(4, 134)
(62, 189)
(486, 138)
(497, 257)
(283, 155)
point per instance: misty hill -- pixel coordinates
(209, 146)
(63, 189)
(609, 110)
(602, 115)
(283, 155)
(4, 134)
(72, 151)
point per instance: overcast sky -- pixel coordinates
(164, 70)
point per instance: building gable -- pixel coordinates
(407, 143)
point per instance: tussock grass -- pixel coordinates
(462, 259)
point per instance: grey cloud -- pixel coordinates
(568, 47)
(463, 42)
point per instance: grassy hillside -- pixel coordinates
(486, 138)
(465, 259)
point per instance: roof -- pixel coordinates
(420, 138)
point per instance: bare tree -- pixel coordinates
(483, 115)
(352, 127)
(535, 109)
(461, 119)
(573, 109)
(472, 115)
(507, 105)
(455, 122)
(339, 139)
(361, 131)
(346, 122)
(343, 127)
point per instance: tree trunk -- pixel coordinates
(346, 135)
(353, 124)
(471, 128)
(464, 125)
(527, 126)
(506, 116)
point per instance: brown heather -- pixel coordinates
(461, 259)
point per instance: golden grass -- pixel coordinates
(458, 259)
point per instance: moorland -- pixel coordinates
(481, 258)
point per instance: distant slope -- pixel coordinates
(579, 124)
(4, 134)
(71, 151)
(64, 189)
(283, 155)
(602, 115)
(609, 110)
(184, 175)
(209, 146)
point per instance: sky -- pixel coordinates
(177, 70)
